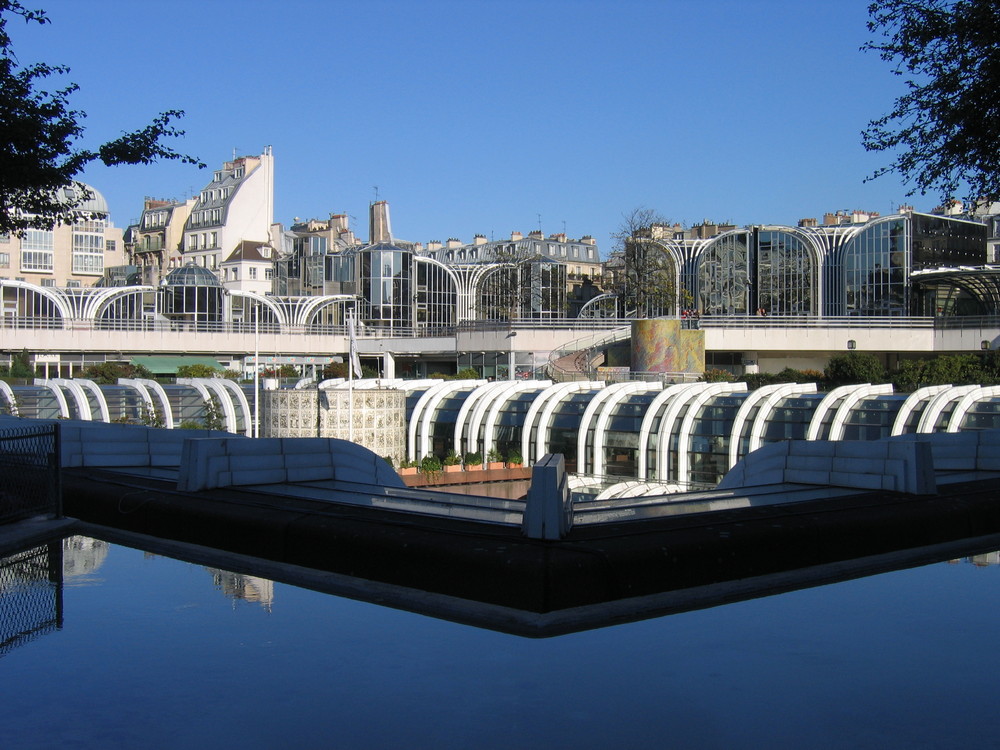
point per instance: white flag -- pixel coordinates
(355, 363)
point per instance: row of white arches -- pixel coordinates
(666, 420)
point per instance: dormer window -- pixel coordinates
(238, 173)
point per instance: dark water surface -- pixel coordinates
(156, 653)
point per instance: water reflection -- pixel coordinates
(239, 587)
(30, 595)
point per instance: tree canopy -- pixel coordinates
(38, 133)
(945, 128)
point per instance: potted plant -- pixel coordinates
(474, 460)
(452, 462)
(494, 459)
(406, 466)
(514, 457)
(430, 464)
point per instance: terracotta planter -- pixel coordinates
(452, 467)
(474, 467)
(494, 465)
(408, 470)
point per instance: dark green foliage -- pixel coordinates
(107, 373)
(213, 418)
(430, 464)
(957, 369)
(474, 459)
(38, 130)
(854, 367)
(197, 371)
(20, 366)
(944, 128)
(719, 376)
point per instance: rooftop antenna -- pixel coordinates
(564, 226)
(539, 222)
(375, 188)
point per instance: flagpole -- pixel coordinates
(256, 371)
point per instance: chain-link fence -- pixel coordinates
(30, 595)
(29, 472)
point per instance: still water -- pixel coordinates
(134, 650)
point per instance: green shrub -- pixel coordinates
(430, 464)
(474, 459)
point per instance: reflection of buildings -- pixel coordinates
(83, 555)
(248, 588)
(984, 560)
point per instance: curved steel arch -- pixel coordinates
(926, 393)
(305, 314)
(831, 399)
(929, 417)
(687, 423)
(7, 392)
(57, 298)
(771, 399)
(494, 411)
(423, 412)
(543, 407)
(620, 391)
(57, 392)
(79, 397)
(840, 416)
(97, 303)
(652, 413)
(586, 418)
(670, 414)
(98, 394)
(462, 433)
(966, 402)
(279, 313)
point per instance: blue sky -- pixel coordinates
(480, 117)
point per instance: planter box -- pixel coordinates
(494, 465)
(453, 467)
(407, 471)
